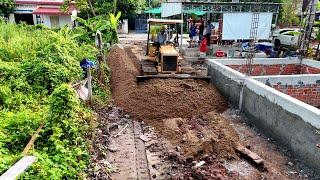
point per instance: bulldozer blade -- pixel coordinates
(176, 76)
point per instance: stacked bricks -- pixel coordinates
(276, 69)
(310, 70)
(308, 93)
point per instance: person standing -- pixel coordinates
(208, 31)
(192, 34)
(203, 48)
(201, 29)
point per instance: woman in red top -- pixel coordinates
(203, 47)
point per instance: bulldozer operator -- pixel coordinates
(161, 38)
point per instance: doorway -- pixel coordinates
(54, 20)
(26, 18)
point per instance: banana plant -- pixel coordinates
(114, 20)
(106, 25)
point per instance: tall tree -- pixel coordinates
(289, 12)
(6, 7)
(104, 7)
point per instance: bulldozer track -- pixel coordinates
(135, 157)
(130, 156)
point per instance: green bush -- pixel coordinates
(36, 66)
(16, 128)
(62, 149)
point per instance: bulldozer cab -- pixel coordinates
(163, 61)
(151, 47)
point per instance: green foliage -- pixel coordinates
(101, 92)
(44, 58)
(16, 128)
(114, 20)
(154, 30)
(6, 7)
(63, 104)
(104, 7)
(288, 15)
(130, 6)
(36, 64)
(61, 147)
(87, 31)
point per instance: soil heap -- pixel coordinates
(190, 107)
(184, 112)
(157, 99)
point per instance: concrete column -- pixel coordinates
(11, 18)
(125, 27)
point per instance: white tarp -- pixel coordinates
(170, 9)
(236, 26)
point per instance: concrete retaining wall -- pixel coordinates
(274, 66)
(290, 122)
(311, 63)
(265, 61)
(226, 80)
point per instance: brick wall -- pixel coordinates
(276, 69)
(310, 70)
(308, 93)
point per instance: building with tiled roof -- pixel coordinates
(46, 12)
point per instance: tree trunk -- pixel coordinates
(114, 6)
(91, 8)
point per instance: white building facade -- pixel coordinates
(46, 12)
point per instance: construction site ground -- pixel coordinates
(179, 129)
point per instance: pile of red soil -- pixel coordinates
(157, 99)
(185, 112)
(200, 135)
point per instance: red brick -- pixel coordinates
(234, 66)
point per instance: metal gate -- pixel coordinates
(141, 24)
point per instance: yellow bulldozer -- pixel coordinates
(164, 60)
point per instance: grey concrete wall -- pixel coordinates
(229, 86)
(264, 61)
(289, 121)
(289, 79)
(311, 63)
(286, 128)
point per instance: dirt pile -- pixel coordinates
(123, 73)
(201, 135)
(185, 112)
(157, 99)
(178, 109)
